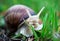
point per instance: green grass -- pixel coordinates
(48, 16)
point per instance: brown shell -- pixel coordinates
(15, 16)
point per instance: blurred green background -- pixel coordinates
(36, 5)
(50, 16)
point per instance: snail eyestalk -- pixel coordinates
(40, 11)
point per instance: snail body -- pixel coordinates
(16, 14)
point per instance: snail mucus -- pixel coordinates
(17, 15)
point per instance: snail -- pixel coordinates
(17, 15)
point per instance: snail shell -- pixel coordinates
(15, 15)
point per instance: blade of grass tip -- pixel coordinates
(53, 21)
(49, 28)
(56, 22)
(44, 25)
(34, 33)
